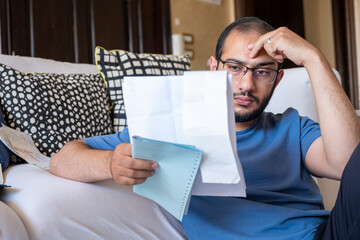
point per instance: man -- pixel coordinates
(278, 152)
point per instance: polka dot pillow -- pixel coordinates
(116, 64)
(54, 108)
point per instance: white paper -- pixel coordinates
(22, 145)
(194, 109)
(206, 125)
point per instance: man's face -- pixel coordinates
(250, 96)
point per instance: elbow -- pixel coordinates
(57, 163)
(54, 164)
(62, 161)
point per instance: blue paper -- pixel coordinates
(171, 185)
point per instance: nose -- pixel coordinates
(244, 82)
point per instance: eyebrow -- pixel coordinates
(261, 64)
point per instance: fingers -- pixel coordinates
(283, 43)
(256, 47)
(128, 181)
(130, 171)
(269, 42)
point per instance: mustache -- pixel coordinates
(246, 94)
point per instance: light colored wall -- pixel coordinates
(205, 21)
(319, 32)
(319, 27)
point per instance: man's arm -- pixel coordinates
(77, 161)
(339, 124)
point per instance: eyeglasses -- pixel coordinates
(261, 75)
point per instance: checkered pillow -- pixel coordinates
(116, 64)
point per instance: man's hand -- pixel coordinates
(338, 121)
(77, 161)
(283, 43)
(127, 170)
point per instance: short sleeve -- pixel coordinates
(310, 131)
(108, 142)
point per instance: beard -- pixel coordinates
(246, 117)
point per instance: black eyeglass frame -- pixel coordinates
(248, 68)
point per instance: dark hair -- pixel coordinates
(243, 25)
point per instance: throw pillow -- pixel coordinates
(115, 64)
(54, 108)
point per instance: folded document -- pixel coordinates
(171, 186)
(22, 145)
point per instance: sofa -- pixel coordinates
(40, 205)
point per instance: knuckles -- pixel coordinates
(123, 148)
(129, 162)
(128, 181)
(130, 172)
(123, 166)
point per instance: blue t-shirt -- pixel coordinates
(283, 201)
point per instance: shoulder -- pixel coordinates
(290, 120)
(287, 117)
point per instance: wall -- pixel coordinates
(319, 27)
(70, 30)
(205, 21)
(319, 32)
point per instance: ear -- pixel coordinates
(213, 63)
(279, 77)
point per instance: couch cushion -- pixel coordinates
(54, 108)
(294, 90)
(116, 64)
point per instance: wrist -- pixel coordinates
(315, 59)
(108, 164)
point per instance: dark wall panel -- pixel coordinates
(111, 25)
(53, 33)
(277, 13)
(20, 26)
(84, 32)
(14, 18)
(154, 14)
(4, 27)
(69, 30)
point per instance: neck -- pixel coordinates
(239, 126)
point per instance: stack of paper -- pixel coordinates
(171, 186)
(194, 109)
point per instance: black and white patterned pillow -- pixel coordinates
(116, 64)
(54, 108)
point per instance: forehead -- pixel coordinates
(236, 47)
